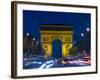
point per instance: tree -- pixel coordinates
(84, 43)
(29, 46)
(39, 49)
(73, 51)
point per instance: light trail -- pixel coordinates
(47, 64)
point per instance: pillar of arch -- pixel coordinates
(51, 32)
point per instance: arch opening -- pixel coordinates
(57, 48)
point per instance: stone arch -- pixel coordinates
(51, 32)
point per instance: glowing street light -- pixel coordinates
(74, 42)
(82, 34)
(27, 34)
(87, 29)
(33, 39)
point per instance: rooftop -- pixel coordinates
(57, 27)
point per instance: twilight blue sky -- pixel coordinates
(33, 19)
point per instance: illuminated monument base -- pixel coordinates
(49, 33)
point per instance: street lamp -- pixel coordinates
(87, 29)
(74, 42)
(33, 39)
(27, 34)
(82, 34)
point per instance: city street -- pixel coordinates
(41, 63)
